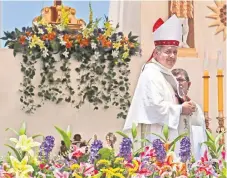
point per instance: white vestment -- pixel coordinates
(154, 103)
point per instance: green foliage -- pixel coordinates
(103, 55)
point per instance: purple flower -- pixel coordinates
(94, 149)
(46, 147)
(125, 148)
(185, 149)
(160, 151)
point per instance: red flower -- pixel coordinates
(22, 39)
(68, 44)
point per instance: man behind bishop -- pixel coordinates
(156, 99)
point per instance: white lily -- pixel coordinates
(93, 45)
(45, 52)
(96, 55)
(40, 31)
(20, 169)
(115, 53)
(25, 144)
(66, 54)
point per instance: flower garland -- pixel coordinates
(28, 158)
(103, 55)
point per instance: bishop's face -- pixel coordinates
(167, 56)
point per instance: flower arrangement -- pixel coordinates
(103, 54)
(156, 160)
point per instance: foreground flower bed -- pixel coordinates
(29, 158)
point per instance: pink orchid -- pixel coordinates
(86, 169)
(58, 174)
(77, 152)
(148, 152)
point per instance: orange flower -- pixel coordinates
(79, 37)
(106, 43)
(166, 146)
(68, 44)
(51, 35)
(66, 37)
(182, 169)
(44, 37)
(84, 42)
(101, 38)
(22, 39)
(124, 41)
(131, 45)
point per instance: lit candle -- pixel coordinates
(220, 81)
(206, 83)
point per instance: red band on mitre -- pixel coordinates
(166, 43)
(157, 24)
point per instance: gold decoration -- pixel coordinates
(220, 17)
(182, 9)
(59, 14)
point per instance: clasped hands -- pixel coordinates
(188, 107)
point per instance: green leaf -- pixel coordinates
(220, 148)
(178, 138)
(172, 147)
(38, 135)
(158, 136)
(134, 131)
(138, 151)
(17, 32)
(122, 134)
(13, 131)
(224, 172)
(105, 153)
(22, 130)
(166, 132)
(210, 145)
(64, 136)
(209, 136)
(15, 151)
(218, 137)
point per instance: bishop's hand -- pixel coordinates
(188, 108)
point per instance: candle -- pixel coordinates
(206, 91)
(206, 83)
(220, 82)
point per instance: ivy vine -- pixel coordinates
(103, 56)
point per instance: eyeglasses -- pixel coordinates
(181, 80)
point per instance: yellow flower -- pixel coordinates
(74, 166)
(118, 160)
(125, 55)
(108, 33)
(113, 172)
(117, 45)
(49, 28)
(64, 17)
(36, 41)
(20, 169)
(135, 168)
(77, 175)
(107, 25)
(25, 144)
(103, 162)
(126, 48)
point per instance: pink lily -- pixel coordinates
(58, 174)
